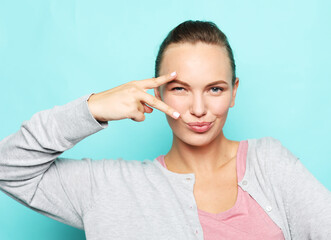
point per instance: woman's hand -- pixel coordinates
(128, 100)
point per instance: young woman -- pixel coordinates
(205, 187)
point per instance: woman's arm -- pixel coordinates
(308, 201)
(30, 168)
(32, 173)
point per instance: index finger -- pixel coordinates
(155, 82)
(156, 103)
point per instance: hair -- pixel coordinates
(193, 32)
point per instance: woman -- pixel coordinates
(205, 187)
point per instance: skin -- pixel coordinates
(198, 65)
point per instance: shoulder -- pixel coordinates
(266, 143)
(269, 161)
(271, 151)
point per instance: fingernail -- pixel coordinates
(176, 115)
(173, 74)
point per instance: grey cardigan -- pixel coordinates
(119, 199)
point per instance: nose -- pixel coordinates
(198, 107)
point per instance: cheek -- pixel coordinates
(219, 108)
(178, 103)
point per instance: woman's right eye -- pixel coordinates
(177, 89)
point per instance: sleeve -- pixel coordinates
(308, 201)
(31, 171)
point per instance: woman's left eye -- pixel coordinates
(216, 89)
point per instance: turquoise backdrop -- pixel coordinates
(52, 52)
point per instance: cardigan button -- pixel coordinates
(244, 182)
(268, 208)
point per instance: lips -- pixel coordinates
(199, 127)
(199, 123)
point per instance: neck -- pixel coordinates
(201, 160)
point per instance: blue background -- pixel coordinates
(52, 52)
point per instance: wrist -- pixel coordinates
(91, 107)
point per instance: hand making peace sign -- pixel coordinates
(128, 100)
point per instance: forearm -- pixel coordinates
(28, 153)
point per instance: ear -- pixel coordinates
(234, 92)
(157, 93)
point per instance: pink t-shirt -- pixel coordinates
(245, 220)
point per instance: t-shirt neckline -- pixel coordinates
(240, 165)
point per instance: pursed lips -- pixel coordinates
(200, 124)
(200, 127)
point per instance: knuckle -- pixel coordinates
(132, 88)
(140, 117)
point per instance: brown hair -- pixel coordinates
(193, 32)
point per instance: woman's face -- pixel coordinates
(202, 91)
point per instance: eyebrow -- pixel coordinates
(187, 85)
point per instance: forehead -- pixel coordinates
(196, 61)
